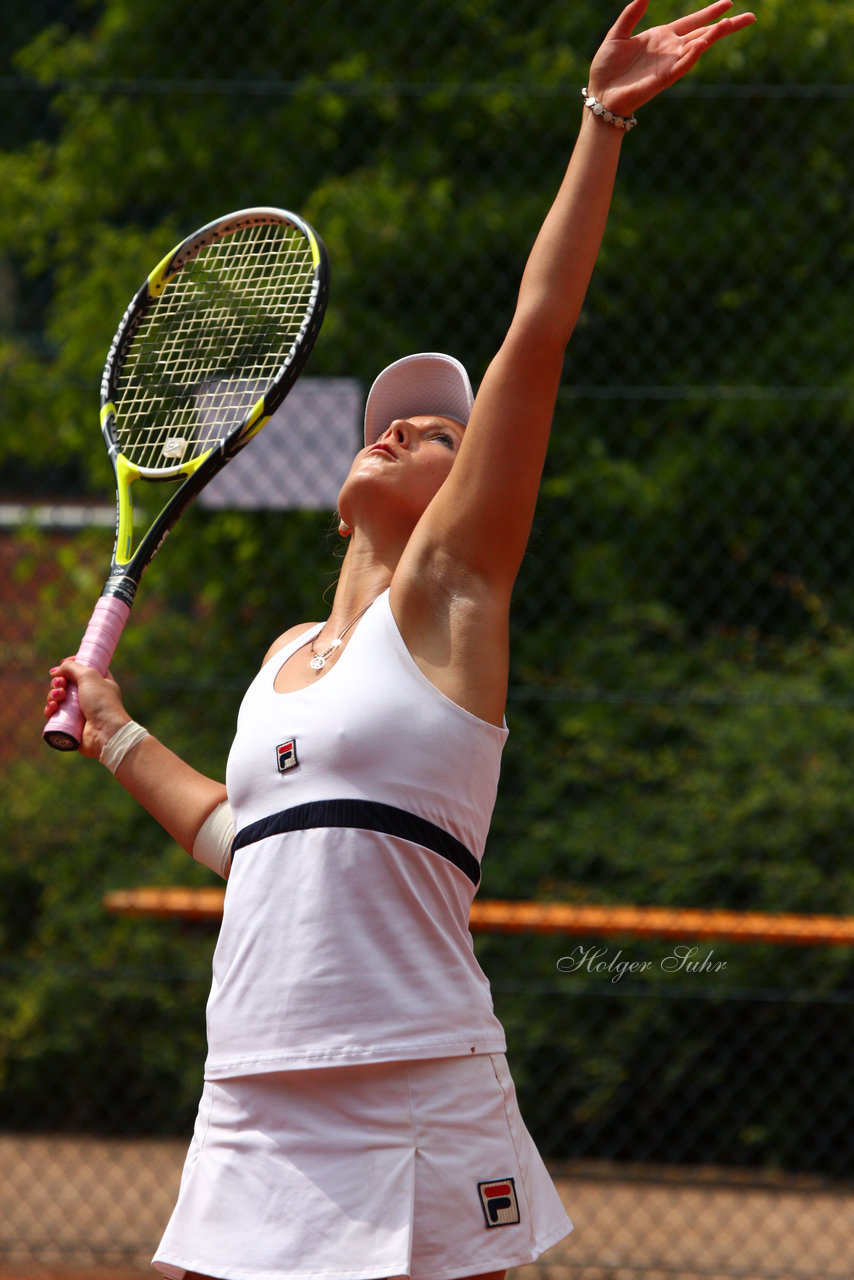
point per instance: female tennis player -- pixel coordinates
(358, 1120)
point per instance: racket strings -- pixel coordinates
(207, 349)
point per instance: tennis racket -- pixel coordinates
(206, 352)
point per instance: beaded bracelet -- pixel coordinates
(610, 117)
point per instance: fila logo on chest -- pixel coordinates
(286, 755)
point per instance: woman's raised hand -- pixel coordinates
(630, 69)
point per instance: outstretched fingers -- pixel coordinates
(709, 24)
(628, 19)
(692, 22)
(695, 43)
(726, 26)
(701, 24)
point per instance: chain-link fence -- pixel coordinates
(683, 651)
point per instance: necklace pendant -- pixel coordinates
(318, 662)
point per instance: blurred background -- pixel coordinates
(683, 647)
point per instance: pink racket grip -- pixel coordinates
(64, 730)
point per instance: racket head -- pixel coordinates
(205, 353)
(212, 342)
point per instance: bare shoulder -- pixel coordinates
(285, 638)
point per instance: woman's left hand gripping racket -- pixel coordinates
(204, 355)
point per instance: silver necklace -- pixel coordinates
(318, 660)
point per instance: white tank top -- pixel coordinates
(361, 808)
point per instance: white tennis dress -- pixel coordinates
(346, 996)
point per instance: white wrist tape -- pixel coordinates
(214, 838)
(122, 741)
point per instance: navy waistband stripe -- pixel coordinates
(368, 815)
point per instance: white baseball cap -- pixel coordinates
(428, 383)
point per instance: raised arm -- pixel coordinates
(493, 486)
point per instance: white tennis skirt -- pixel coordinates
(420, 1169)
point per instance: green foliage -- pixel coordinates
(80, 987)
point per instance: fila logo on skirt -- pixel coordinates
(499, 1203)
(286, 755)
